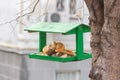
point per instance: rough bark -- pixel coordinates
(105, 39)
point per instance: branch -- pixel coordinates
(29, 12)
(17, 19)
(7, 22)
(27, 7)
(23, 2)
(89, 4)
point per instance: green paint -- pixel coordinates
(51, 58)
(65, 29)
(42, 40)
(52, 27)
(79, 42)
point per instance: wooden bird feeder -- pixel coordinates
(64, 29)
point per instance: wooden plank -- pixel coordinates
(52, 27)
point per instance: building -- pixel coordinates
(16, 44)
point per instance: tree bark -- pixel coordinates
(105, 39)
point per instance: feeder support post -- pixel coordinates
(42, 40)
(79, 43)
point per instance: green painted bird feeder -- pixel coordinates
(64, 29)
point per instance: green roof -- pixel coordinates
(52, 27)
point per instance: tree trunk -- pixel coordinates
(105, 39)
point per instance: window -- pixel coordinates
(67, 75)
(72, 6)
(60, 5)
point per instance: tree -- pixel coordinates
(105, 39)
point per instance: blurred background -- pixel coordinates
(16, 44)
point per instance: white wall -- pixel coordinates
(12, 37)
(14, 33)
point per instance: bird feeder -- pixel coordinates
(64, 29)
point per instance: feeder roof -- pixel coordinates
(52, 27)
